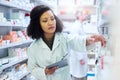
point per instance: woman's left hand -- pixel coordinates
(51, 70)
(96, 38)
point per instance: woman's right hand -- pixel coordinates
(50, 71)
(96, 38)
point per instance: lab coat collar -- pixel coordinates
(55, 43)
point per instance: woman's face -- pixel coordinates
(48, 22)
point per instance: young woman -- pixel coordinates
(51, 45)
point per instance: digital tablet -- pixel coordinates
(59, 64)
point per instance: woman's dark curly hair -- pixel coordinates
(34, 29)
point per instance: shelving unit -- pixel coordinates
(12, 19)
(94, 62)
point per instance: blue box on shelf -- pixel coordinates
(90, 74)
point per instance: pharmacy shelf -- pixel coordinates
(91, 55)
(23, 75)
(11, 5)
(7, 9)
(5, 24)
(15, 44)
(9, 24)
(12, 63)
(91, 64)
(90, 73)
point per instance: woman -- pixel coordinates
(51, 45)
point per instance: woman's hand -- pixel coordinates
(50, 71)
(96, 38)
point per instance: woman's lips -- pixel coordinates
(51, 27)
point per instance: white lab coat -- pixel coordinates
(76, 69)
(40, 56)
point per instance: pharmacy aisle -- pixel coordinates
(103, 63)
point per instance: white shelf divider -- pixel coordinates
(15, 44)
(11, 63)
(11, 5)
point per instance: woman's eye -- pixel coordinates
(44, 21)
(52, 19)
